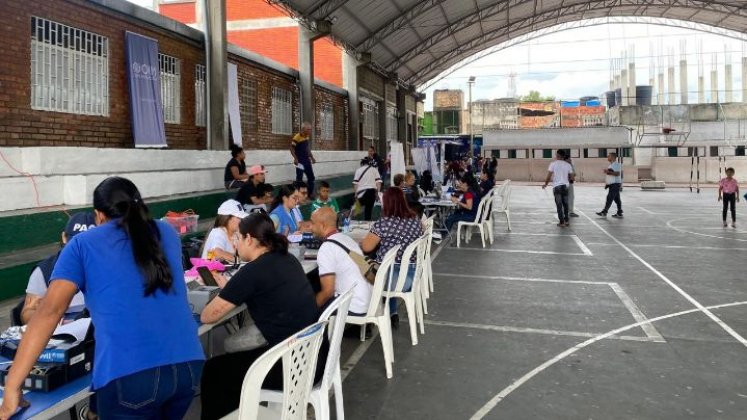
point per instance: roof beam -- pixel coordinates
(523, 25)
(396, 24)
(442, 33)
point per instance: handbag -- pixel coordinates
(367, 266)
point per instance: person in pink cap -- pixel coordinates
(252, 193)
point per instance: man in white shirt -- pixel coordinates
(367, 183)
(613, 181)
(337, 271)
(561, 173)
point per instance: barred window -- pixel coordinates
(282, 111)
(248, 105)
(170, 88)
(200, 96)
(370, 120)
(69, 69)
(391, 123)
(327, 122)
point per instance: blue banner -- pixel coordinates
(144, 83)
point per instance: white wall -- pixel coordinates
(677, 169)
(587, 169)
(68, 175)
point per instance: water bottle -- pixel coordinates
(346, 225)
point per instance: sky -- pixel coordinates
(577, 62)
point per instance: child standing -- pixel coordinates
(728, 191)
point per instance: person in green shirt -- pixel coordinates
(323, 199)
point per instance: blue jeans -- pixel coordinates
(309, 171)
(458, 216)
(408, 284)
(163, 392)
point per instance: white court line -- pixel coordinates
(485, 409)
(669, 225)
(521, 251)
(649, 329)
(531, 234)
(704, 248)
(679, 290)
(637, 314)
(581, 245)
(647, 211)
(501, 328)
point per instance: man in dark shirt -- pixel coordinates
(302, 156)
(253, 192)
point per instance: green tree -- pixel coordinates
(535, 96)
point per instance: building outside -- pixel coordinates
(260, 27)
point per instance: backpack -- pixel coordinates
(367, 266)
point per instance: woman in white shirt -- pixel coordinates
(219, 242)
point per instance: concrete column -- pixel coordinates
(402, 117)
(306, 38)
(217, 86)
(728, 97)
(701, 89)
(350, 83)
(381, 146)
(670, 85)
(714, 86)
(624, 86)
(631, 83)
(744, 79)
(683, 82)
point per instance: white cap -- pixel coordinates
(232, 208)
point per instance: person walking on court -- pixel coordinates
(613, 181)
(571, 193)
(560, 173)
(302, 156)
(728, 191)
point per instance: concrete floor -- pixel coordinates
(525, 328)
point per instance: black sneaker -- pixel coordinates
(618, 215)
(573, 215)
(602, 213)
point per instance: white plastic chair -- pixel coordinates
(412, 298)
(478, 223)
(427, 284)
(319, 397)
(378, 310)
(299, 353)
(504, 192)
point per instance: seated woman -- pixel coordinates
(282, 208)
(399, 225)
(487, 182)
(466, 205)
(280, 301)
(220, 241)
(235, 175)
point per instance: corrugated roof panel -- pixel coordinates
(456, 9)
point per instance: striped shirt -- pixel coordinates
(728, 185)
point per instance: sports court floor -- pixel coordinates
(639, 318)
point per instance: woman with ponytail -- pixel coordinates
(280, 300)
(148, 357)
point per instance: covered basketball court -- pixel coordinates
(613, 319)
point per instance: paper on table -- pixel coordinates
(295, 238)
(77, 329)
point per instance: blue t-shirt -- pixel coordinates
(285, 220)
(132, 332)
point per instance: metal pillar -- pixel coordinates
(471, 82)
(217, 86)
(306, 38)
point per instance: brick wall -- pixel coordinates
(22, 126)
(262, 137)
(370, 81)
(182, 12)
(340, 107)
(252, 9)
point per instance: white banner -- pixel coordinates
(234, 117)
(397, 161)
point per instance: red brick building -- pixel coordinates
(264, 29)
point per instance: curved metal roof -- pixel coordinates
(418, 39)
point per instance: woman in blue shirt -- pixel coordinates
(281, 210)
(148, 359)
